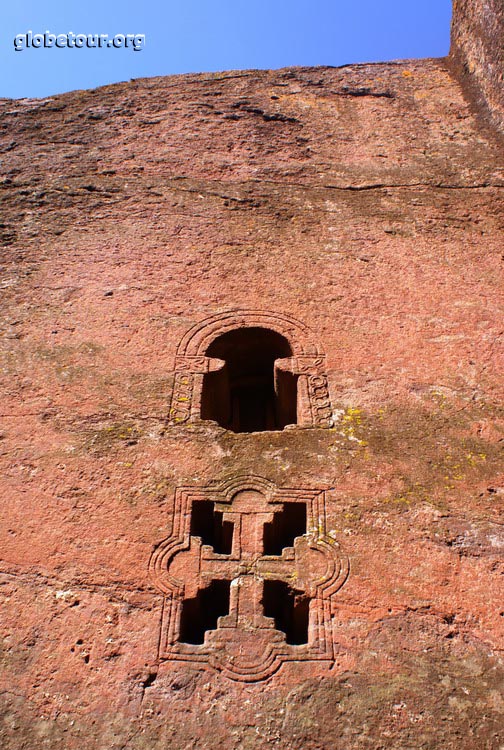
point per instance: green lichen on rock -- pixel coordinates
(111, 437)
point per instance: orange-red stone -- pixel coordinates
(364, 202)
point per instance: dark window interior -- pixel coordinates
(290, 610)
(243, 396)
(201, 613)
(207, 523)
(285, 527)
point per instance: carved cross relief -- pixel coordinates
(248, 571)
(248, 575)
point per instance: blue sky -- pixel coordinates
(199, 35)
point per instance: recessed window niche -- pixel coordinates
(250, 371)
(248, 394)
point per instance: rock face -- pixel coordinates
(192, 264)
(478, 50)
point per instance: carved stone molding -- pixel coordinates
(308, 364)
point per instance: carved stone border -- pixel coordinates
(276, 651)
(308, 363)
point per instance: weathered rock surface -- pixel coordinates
(366, 202)
(478, 51)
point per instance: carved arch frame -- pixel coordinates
(307, 363)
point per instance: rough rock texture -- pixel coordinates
(478, 50)
(365, 202)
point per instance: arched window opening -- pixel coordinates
(249, 394)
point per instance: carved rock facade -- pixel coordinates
(245, 643)
(143, 224)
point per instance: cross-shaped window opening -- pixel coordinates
(263, 532)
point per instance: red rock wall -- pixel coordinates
(359, 211)
(478, 50)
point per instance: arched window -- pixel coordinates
(250, 370)
(248, 394)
